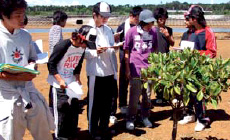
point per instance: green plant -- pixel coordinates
(184, 74)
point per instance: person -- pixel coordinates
(55, 33)
(101, 67)
(189, 35)
(205, 42)
(64, 68)
(133, 20)
(16, 48)
(140, 41)
(165, 40)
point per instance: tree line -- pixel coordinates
(222, 9)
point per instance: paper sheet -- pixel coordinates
(187, 44)
(74, 90)
(42, 58)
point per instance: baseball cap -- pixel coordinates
(194, 10)
(103, 9)
(146, 16)
(89, 34)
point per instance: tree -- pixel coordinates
(182, 75)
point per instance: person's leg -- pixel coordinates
(74, 108)
(93, 105)
(39, 118)
(202, 120)
(51, 100)
(135, 91)
(145, 106)
(64, 114)
(105, 101)
(123, 85)
(19, 121)
(149, 92)
(188, 112)
(114, 91)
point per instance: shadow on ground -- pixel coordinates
(207, 138)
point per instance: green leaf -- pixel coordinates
(177, 90)
(214, 103)
(166, 93)
(191, 88)
(200, 95)
(186, 99)
(145, 85)
(217, 90)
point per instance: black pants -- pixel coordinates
(199, 108)
(114, 98)
(123, 82)
(99, 103)
(67, 113)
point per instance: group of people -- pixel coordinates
(97, 43)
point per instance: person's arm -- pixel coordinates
(127, 48)
(168, 34)
(119, 35)
(77, 70)
(58, 53)
(25, 76)
(127, 68)
(211, 45)
(60, 81)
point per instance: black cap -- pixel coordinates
(90, 35)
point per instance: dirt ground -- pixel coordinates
(160, 116)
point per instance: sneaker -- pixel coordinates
(147, 123)
(112, 119)
(199, 126)
(96, 137)
(159, 101)
(187, 119)
(123, 109)
(130, 125)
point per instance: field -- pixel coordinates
(160, 116)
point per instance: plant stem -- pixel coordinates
(174, 132)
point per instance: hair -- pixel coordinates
(25, 20)
(84, 30)
(160, 13)
(142, 23)
(58, 17)
(96, 8)
(198, 13)
(7, 7)
(135, 10)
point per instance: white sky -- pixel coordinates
(117, 2)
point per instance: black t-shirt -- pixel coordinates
(163, 43)
(122, 36)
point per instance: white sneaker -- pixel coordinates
(112, 119)
(199, 126)
(147, 123)
(123, 109)
(130, 125)
(187, 119)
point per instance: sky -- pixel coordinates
(117, 2)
